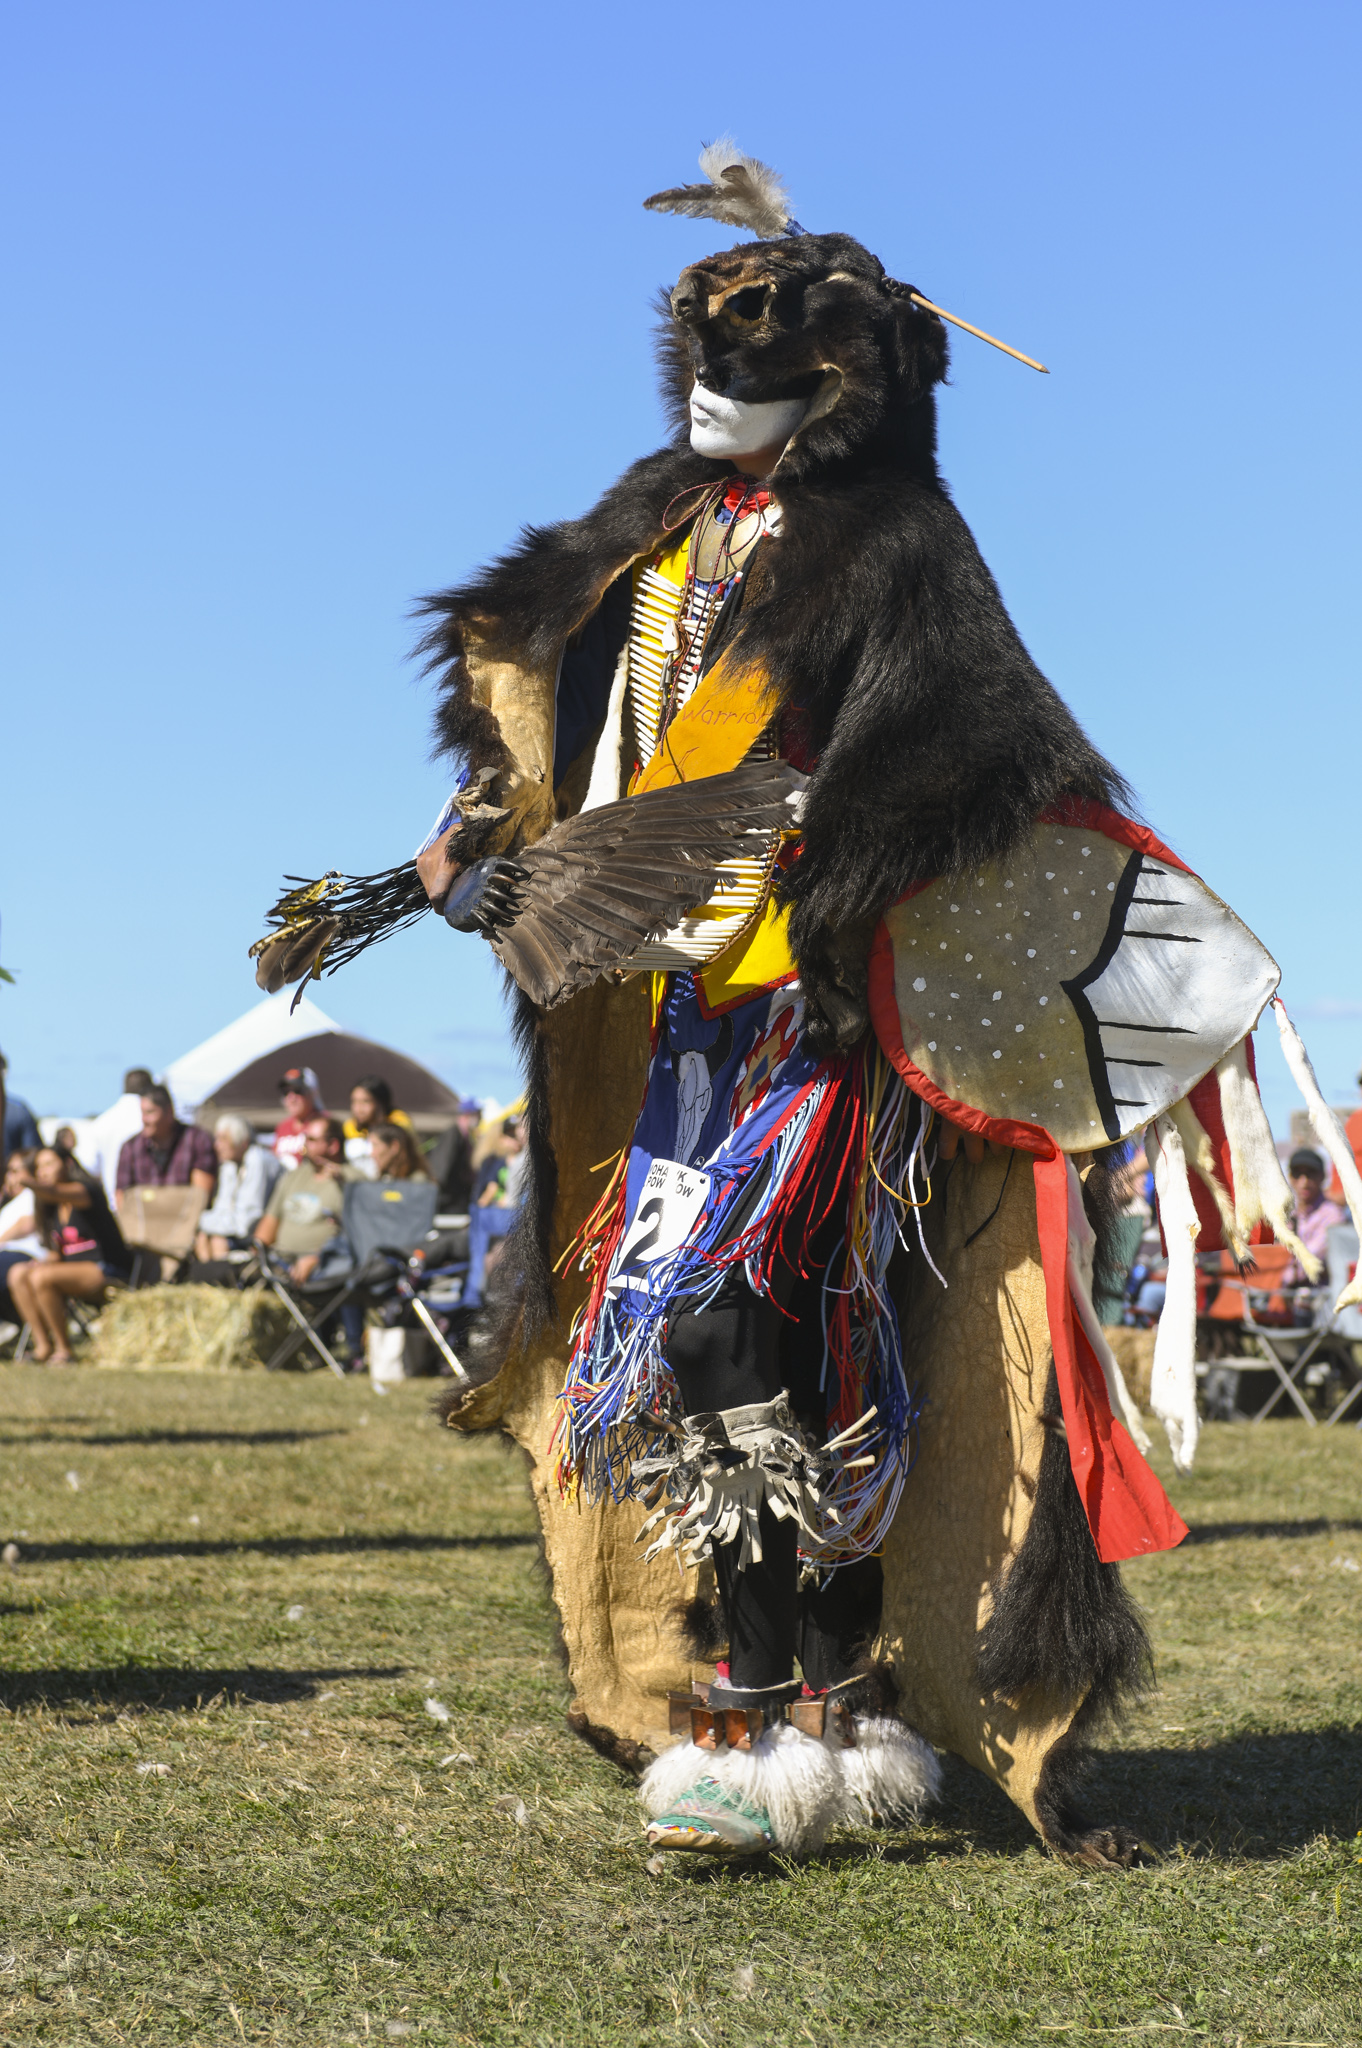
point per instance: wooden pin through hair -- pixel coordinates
(956, 321)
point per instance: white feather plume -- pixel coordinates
(742, 192)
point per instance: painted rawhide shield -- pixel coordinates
(1085, 984)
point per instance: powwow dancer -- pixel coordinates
(762, 798)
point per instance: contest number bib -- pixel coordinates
(670, 1200)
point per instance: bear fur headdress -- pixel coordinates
(937, 739)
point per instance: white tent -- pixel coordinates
(197, 1075)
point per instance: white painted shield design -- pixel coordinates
(1085, 985)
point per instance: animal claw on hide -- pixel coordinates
(1104, 1849)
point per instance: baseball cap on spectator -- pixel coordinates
(297, 1079)
(470, 1106)
(1306, 1161)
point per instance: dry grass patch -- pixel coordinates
(229, 1815)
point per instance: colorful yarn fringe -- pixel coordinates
(850, 1141)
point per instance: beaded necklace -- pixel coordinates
(686, 635)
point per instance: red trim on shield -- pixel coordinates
(1081, 811)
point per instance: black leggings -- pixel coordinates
(740, 1349)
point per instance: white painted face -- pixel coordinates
(729, 427)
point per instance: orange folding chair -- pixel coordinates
(1285, 1325)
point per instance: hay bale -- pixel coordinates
(1133, 1351)
(190, 1329)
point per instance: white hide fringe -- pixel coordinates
(891, 1775)
(1082, 1249)
(1327, 1130)
(1172, 1393)
(1196, 1143)
(793, 1776)
(604, 786)
(1262, 1193)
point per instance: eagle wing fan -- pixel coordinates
(598, 885)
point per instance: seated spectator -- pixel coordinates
(451, 1160)
(301, 1096)
(302, 1219)
(83, 1251)
(104, 1138)
(247, 1173)
(19, 1239)
(371, 1104)
(166, 1153)
(1116, 1183)
(1315, 1213)
(396, 1154)
(21, 1129)
(496, 1204)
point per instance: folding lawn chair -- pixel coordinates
(431, 1288)
(382, 1221)
(311, 1307)
(1282, 1327)
(159, 1226)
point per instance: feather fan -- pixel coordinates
(598, 885)
(742, 192)
(564, 911)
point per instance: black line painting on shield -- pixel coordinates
(1149, 995)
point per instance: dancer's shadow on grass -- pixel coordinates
(1260, 1796)
(1233, 1532)
(147, 1437)
(152, 1688)
(1256, 1795)
(269, 1546)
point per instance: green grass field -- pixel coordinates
(229, 1817)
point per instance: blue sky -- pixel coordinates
(309, 307)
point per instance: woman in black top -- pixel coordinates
(85, 1250)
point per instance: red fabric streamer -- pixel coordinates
(1205, 1101)
(1127, 1509)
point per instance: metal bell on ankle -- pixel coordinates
(717, 1716)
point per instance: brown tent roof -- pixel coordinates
(338, 1060)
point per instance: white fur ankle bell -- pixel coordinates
(797, 1779)
(890, 1775)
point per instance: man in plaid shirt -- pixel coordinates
(166, 1153)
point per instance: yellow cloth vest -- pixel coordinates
(737, 942)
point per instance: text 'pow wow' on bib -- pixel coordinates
(1085, 984)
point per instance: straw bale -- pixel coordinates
(189, 1329)
(1133, 1351)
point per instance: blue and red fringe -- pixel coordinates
(619, 1386)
